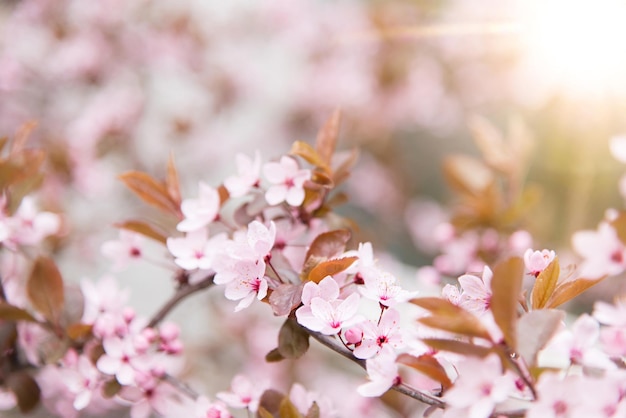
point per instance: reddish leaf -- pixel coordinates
(329, 244)
(20, 167)
(342, 172)
(459, 347)
(326, 141)
(447, 316)
(144, 229)
(285, 298)
(111, 388)
(45, 289)
(78, 331)
(151, 191)
(293, 340)
(26, 390)
(306, 151)
(13, 313)
(223, 193)
(263, 413)
(287, 409)
(534, 330)
(270, 401)
(314, 411)
(171, 181)
(506, 286)
(619, 224)
(321, 179)
(569, 290)
(467, 175)
(21, 137)
(545, 284)
(274, 356)
(330, 268)
(428, 365)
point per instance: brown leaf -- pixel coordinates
(293, 340)
(172, 183)
(447, 316)
(506, 287)
(285, 298)
(330, 268)
(20, 167)
(111, 388)
(569, 290)
(270, 401)
(144, 229)
(274, 356)
(534, 330)
(45, 289)
(459, 347)
(314, 411)
(21, 137)
(329, 244)
(13, 313)
(263, 413)
(321, 179)
(342, 172)
(222, 191)
(326, 140)
(427, 365)
(466, 174)
(288, 410)
(78, 331)
(151, 191)
(306, 151)
(26, 390)
(545, 284)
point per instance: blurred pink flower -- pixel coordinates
(195, 250)
(207, 409)
(382, 372)
(243, 393)
(602, 251)
(201, 211)
(248, 171)
(126, 248)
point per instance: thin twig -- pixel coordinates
(182, 387)
(178, 297)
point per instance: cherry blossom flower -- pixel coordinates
(329, 317)
(613, 337)
(382, 372)
(29, 226)
(377, 336)
(121, 251)
(195, 250)
(603, 252)
(248, 172)
(207, 409)
(250, 283)
(121, 359)
(150, 396)
(559, 398)
(303, 401)
(476, 296)
(201, 211)
(261, 238)
(243, 394)
(83, 381)
(103, 297)
(451, 293)
(287, 181)
(327, 289)
(479, 387)
(382, 289)
(537, 261)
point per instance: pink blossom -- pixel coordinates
(123, 250)
(537, 261)
(243, 394)
(382, 372)
(287, 181)
(559, 398)
(248, 171)
(207, 409)
(476, 296)
(377, 336)
(250, 283)
(83, 381)
(261, 238)
(149, 397)
(327, 289)
(602, 251)
(451, 293)
(611, 314)
(121, 359)
(201, 211)
(303, 401)
(7, 400)
(196, 250)
(28, 226)
(382, 289)
(328, 317)
(480, 386)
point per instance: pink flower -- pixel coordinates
(196, 250)
(243, 394)
(121, 359)
(261, 238)
(329, 317)
(480, 386)
(559, 398)
(207, 409)
(377, 336)
(83, 381)
(104, 297)
(603, 252)
(537, 261)
(201, 211)
(382, 372)
(121, 251)
(382, 289)
(287, 181)
(29, 226)
(327, 289)
(249, 283)
(248, 171)
(150, 396)
(476, 295)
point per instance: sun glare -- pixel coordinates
(580, 43)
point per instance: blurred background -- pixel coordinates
(116, 85)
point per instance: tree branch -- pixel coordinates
(179, 296)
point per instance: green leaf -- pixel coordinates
(293, 340)
(26, 390)
(506, 286)
(45, 289)
(545, 284)
(330, 268)
(427, 365)
(13, 313)
(449, 317)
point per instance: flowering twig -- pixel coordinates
(181, 294)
